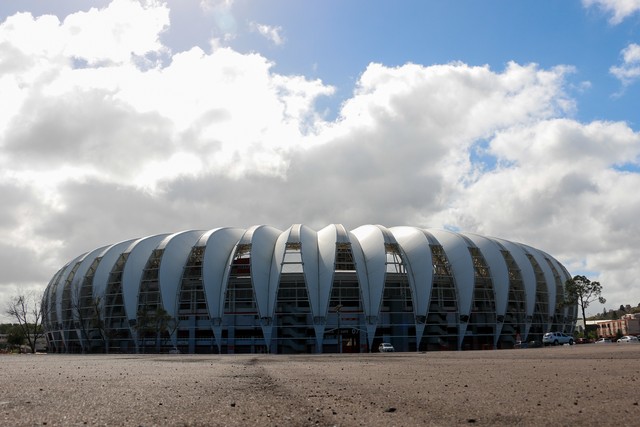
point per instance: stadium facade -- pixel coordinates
(259, 290)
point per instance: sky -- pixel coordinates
(124, 118)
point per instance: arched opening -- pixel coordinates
(513, 327)
(344, 331)
(540, 320)
(480, 332)
(294, 332)
(153, 323)
(70, 304)
(441, 326)
(242, 332)
(396, 319)
(117, 332)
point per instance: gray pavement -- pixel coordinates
(568, 385)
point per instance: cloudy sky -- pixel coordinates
(124, 118)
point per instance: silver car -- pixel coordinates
(557, 338)
(385, 347)
(630, 339)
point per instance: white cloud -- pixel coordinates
(618, 9)
(127, 124)
(274, 34)
(559, 189)
(115, 33)
(109, 35)
(477, 99)
(105, 151)
(629, 71)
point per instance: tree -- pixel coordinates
(26, 309)
(156, 324)
(87, 312)
(78, 315)
(98, 323)
(583, 292)
(15, 337)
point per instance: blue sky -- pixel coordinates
(124, 118)
(336, 40)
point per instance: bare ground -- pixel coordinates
(568, 385)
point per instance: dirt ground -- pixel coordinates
(568, 385)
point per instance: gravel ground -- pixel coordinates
(568, 385)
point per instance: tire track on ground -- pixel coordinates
(253, 389)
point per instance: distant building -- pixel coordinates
(628, 324)
(232, 290)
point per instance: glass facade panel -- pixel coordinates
(396, 321)
(241, 323)
(541, 320)
(513, 327)
(481, 328)
(441, 328)
(117, 331)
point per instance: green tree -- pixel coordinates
(88, 312)
(15, 336)
(155, 324)
(583, 292)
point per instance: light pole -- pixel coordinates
(338, 308)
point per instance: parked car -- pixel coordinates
(557, 338)
(604, 341)
(385, 347)
(629, 339)
(583, 341)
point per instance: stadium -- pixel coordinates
(264, 290)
